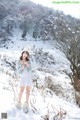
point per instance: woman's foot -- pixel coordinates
(25, 107)
(18, 105)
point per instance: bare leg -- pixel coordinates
(27, 93)
(20, 93)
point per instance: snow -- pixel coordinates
(43, 101)
(73, 112)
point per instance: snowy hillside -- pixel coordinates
(52, 91)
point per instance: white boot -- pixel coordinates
(18, 105)
(25, 107)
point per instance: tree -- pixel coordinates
(26, 25)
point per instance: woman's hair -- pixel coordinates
(21, 57)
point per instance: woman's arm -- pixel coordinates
(19, 67)
(28, 65)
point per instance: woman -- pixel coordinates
(24, 72)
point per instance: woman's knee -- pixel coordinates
(21, 89)
(28, 89)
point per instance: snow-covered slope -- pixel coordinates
(50, 71)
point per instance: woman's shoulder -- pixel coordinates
(18, 61)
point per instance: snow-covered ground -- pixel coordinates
(50, 104)
(44, 102)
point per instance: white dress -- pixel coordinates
(25, 75)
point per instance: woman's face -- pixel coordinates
(25, 55)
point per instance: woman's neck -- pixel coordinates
(24, 59)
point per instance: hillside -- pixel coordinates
(50, 68)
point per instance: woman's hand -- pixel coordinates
(26, 63)
(22, 66)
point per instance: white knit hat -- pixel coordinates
(27, 48)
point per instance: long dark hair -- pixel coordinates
(27, 58)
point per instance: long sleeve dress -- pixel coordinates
(25, 74)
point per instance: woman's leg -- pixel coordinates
(20, 93)
(27, 93)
